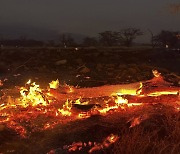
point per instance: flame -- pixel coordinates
(32, 95)
(66, 110)
(132, 92)
(34, 102)
(54, 84)
(29, 81)
(163, 93)
(156, 73)
(126, 92)
(71, 89)
(94, 146)
(121, 101)
(139, 91)
(108, 141)
(78, 101)
(84, 115)
(137, 120)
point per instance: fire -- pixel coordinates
(126, 92)
(121, 101)
(34, 102)
(32, 95)
(108, 141)
(78, 101)
(163, 93)
(156, 73)
(132, 92)
(66, 110)
(118, 104)
(1, 83)
(124, 102)
(54, 84)
(92, 146)
(137, 120)
(139, 91)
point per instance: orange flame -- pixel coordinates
(54, 84)
(34, 102)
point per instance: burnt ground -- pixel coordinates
(88, 67)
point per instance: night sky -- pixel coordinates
(89, 17)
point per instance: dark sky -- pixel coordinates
(89, 16)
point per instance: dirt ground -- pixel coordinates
(89, 67)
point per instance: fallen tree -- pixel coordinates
(153, 89)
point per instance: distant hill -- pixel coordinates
(30, 32)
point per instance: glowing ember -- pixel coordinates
(137, 120)
(156, 73)
(92, 146)
(121, 101)
(1, 83)
(105, 144)
(20, 112)
(78, 101)
(126, 92)
(163, 93)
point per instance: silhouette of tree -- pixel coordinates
(70, 41)
(90, 41)
(168, 39)
(66, 40)
(109, 38)
(128, 35)
(154, 39)
(51, 43)
(62, 39)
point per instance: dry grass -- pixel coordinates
(163, 138)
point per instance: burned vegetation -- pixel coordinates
(89, 100)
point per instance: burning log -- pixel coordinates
(59, 103)
(95, 92)
(140, 90)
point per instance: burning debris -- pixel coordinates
(60, 104)
(92, 146)
(1, 83)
